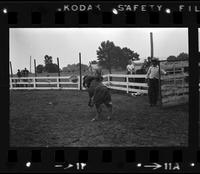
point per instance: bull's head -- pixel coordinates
(87, 80)
(85, 84)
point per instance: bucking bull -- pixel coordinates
(98, 94)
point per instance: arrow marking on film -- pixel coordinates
(154, 166)
(69, 166)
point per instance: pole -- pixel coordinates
(160, 87)
(11, 69)
(58, 85)
(30, 64)
(58, 66)
(151, 43)
(80, 71)
(35, 68)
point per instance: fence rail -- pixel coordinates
(112, 81)
(121, 83)
(174, 85)
(44, 83)
(128, 83)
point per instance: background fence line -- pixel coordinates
(128, 83)
(43, 83)
(112, 81)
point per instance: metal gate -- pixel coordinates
(174, 87)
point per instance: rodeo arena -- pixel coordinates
(58, 111)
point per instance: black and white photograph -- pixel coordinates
(199, 75)
(98, 87)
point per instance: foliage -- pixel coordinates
(93, 62)
(127, 55)
(48, 60)
(111, 56)
(24, 72)
(40, 68)
(181, 56)
(74, 68)
(51, 68)
(104, 54)
(171, 58)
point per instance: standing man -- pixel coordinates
(153, 82)
(95, 69)
(130, 69)
(98, 71)
(19, 74)
(26, 72)
(26, 75)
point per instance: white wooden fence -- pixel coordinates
(44, 83)
(122, 82)
(113, 81)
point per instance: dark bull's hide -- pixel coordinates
(97, 90)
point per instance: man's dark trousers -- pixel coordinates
(153, 91)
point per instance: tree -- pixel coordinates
(172, 58)
(110, 55)
(130, 54)
(84, 67)
(116, 56)
(40, 68)
(74, 68)
(48, 60)
(127, 55)
(51, 68)
(65, 69)
(93, 62)
(182, 56)
(104, 54)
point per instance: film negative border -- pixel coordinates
(110, 159)
(102, 159)
(98, 14)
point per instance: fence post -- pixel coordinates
(80, 71)
(11, 86)
(79, 83)
(160, 84)
(127, 85)
(183, 78)
(174, 69)
(109, 80)
(34, 84)
(57, 79)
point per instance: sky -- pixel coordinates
(66, 43)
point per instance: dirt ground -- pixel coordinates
(36, 122)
